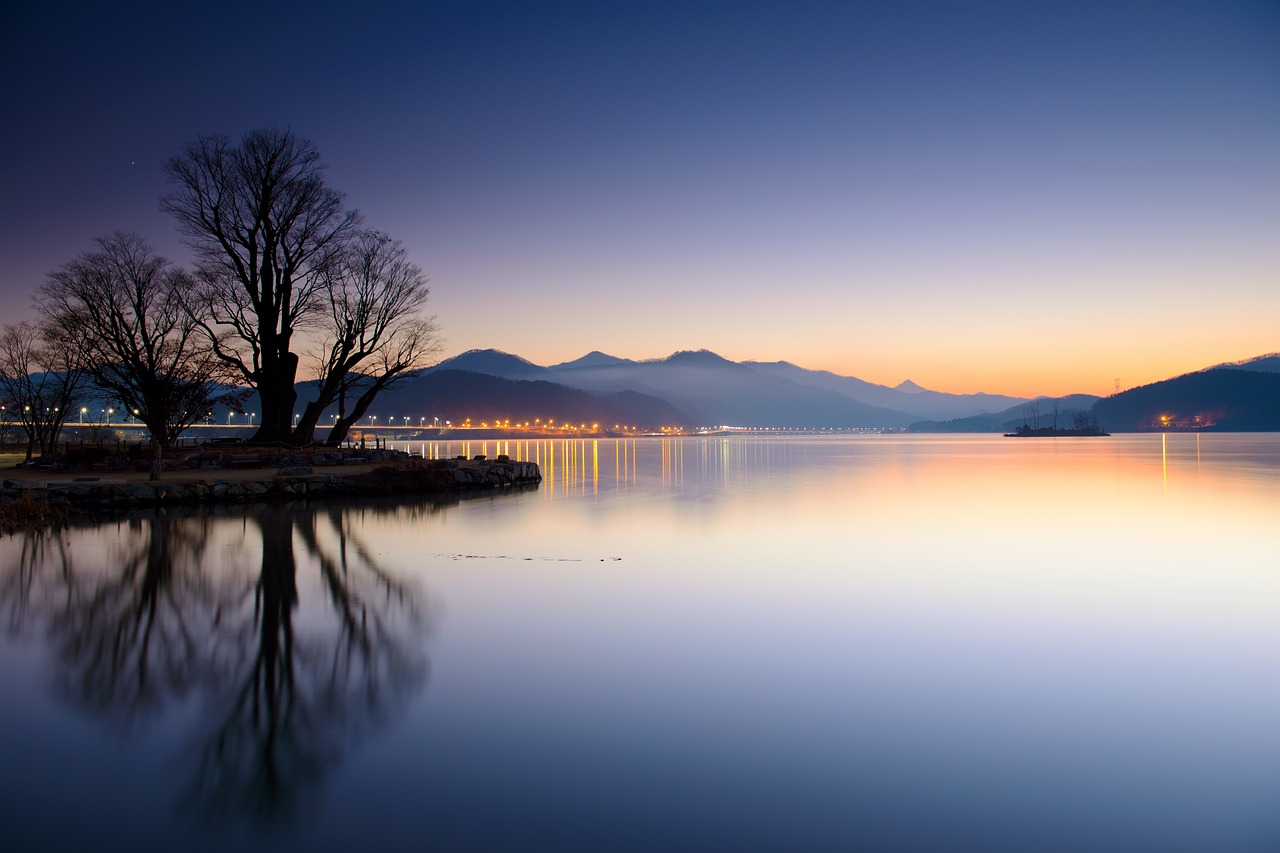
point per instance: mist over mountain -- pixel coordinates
(718, 392)
(906, 397)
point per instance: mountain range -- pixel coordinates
(698, 388)
(705, 389)
(693, 389)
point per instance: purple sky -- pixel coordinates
(1016, 197)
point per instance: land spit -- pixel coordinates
(379, 472)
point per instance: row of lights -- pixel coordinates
(537, 423)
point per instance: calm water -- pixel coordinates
(744, 643)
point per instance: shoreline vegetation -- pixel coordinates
(42, 499)
(1025, 431)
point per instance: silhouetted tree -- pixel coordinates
(266, 229)
(41, 381)
(374, 335)
(122, 308)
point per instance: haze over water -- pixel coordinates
(955, 642)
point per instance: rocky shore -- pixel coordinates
(383, 472)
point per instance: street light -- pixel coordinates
(251, 414)
(83, 409)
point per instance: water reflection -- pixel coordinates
(861, 642)
(281, 623)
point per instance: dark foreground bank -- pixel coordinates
(390, 474)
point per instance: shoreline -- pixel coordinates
(380, 473)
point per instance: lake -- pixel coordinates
(742, 642)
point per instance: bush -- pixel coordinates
(30, 511)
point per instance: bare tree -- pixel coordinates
(122, 309)
(373, 335)
(41, 380)
(266, 228)
(414, 347)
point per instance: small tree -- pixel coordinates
(373, 334)
(122, 310)
(413, 347)
(41, 381)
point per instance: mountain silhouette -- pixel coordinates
(699, 388)
(1221, 398)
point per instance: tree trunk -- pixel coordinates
(305, 431)
(157, 459)
(345, 423)
(277, 396)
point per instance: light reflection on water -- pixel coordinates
(803, 643)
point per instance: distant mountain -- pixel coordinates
(717, 392)
(974, 423)
(713, 390)
(1036, 413)
(595, 358)
(907, 397)
(1222, 398)
(455, 395)
(492, 362)
(695, 358)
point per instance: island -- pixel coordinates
(1025, 431)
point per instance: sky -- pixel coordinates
(1012, 197)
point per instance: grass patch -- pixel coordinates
(30, 511)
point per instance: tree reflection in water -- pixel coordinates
(287, 681)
